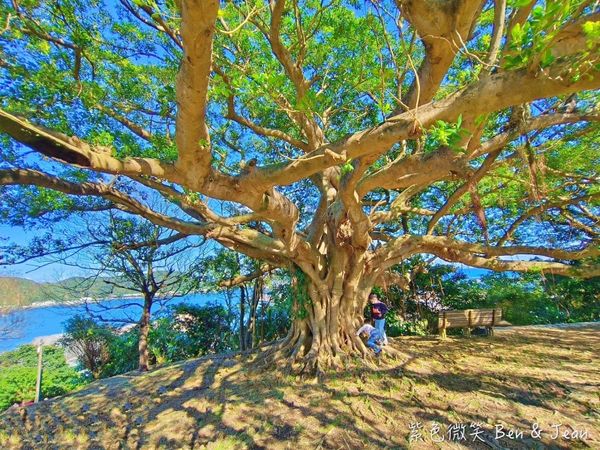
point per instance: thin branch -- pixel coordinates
(497, 34)
(541, 209)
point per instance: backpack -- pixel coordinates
(379, 309)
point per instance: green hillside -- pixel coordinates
(22, 292)
(19, 291)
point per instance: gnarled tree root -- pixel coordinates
(300, 354)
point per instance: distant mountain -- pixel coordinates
(19, 291)
(16, 291)
(22, 292)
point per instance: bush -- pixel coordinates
(18, 373)
(396, 326)
(525, 299)
(17, 384)
(167, 342)
(90, 341)
(195, 331)
(273, 322)
(185, 331)
(123, 354)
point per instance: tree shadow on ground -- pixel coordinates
(218, 400)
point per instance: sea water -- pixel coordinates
(31, 324)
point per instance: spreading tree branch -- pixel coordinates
(486, 256)
(443, 29)
(193, 140)
(73, 150)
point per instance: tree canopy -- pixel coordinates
(335, 138)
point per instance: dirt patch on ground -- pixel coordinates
(522, 379)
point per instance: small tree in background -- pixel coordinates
(131, 257)
(230, 271)
(89, 341)
(139, 256)
(124, 256)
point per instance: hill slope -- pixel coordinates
(521, 376)
(19, 291)
(16, 291)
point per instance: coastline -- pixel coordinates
(51, 303)
(10, 309)
(44, 319)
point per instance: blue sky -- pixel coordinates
(36, 271)
(40, 272)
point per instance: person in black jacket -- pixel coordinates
(378, 312)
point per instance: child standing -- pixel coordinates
(378, 312)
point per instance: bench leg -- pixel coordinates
(467, 332)
(490, 331)
(443, 333)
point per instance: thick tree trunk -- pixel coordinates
(144, 330)
(327, 313)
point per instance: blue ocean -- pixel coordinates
(32, 323)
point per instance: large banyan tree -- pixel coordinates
(332, 138)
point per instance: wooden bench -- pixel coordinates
(469, 319)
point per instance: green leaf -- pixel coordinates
(517, 33)
(547, 59)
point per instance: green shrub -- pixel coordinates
(17, 384)
(184, 331)
(190, 331)
(168, 342)
(396, 326)
(273, 322)
(18, 373)
(90, 341)
(123, 354)
(525, 299)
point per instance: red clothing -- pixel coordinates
(378, 310)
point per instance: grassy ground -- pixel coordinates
(522, 376)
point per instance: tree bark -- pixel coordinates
(242, 331)
(257, 293)
(144, 330)
(327, 310)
